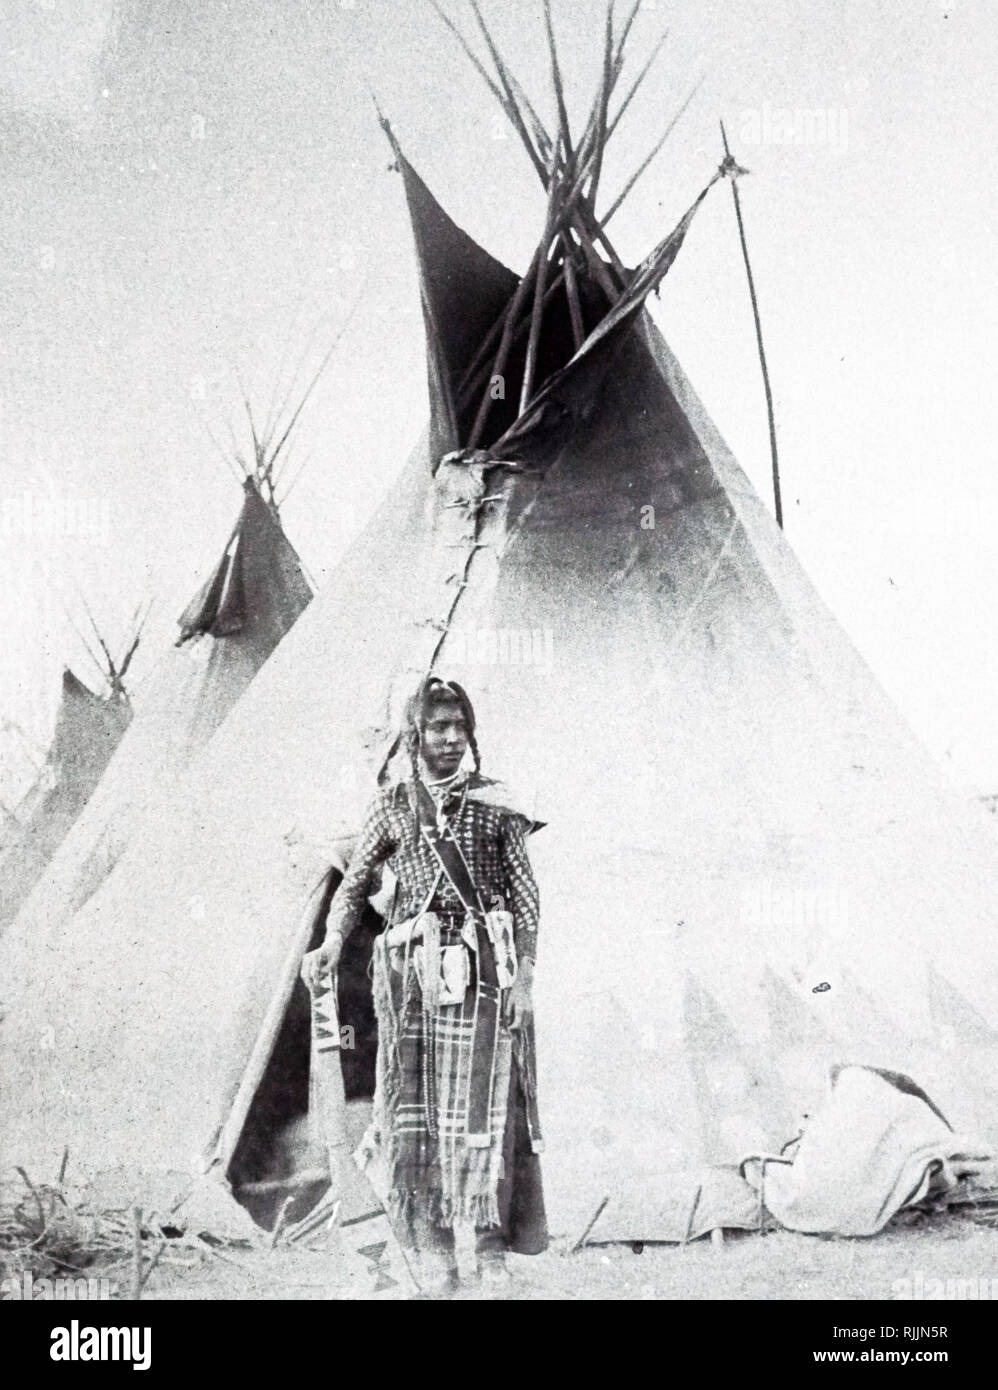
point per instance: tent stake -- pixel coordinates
(136, 1253)
(147, 1272)
(282, 1217)
(777, 499)
(578, 1244)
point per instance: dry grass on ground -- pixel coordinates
(48, 1231)
(777, 1266)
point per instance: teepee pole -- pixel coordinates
(649, 157)
(275, 451)
(618, 57)
(580, 212)
(582, 220)
(471, 379)
(97, 664)
(572, 293)
(473, 371)
(581, 216)
(536, 313)
(505, 343)
(488, 343)
(513, 111)
(636, 85)
(544, 142)
(511, 326)
(587, 144)
(578, 220)
(777, 498)
(604, 102)
(476, 62)
(540, 134)
(506, 97)
(559, 88)
(510, 103)
(108, 658)
(223, 455)
(133, 647)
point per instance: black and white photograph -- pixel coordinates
(498, 739)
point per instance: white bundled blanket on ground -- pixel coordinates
(878, 1144)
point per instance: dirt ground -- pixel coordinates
(781, 1265)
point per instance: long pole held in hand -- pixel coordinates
(777, 499)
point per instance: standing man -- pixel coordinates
(454, 1130)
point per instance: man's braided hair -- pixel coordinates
(432, 691)
(436, 691)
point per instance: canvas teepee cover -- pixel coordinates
(88, 728)
(252, 598)
(750, 869)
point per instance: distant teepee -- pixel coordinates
(88, 728)
(252, 597)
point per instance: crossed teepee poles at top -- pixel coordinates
(267, 460)
(575, 239)
(111, 670)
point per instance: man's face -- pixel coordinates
(444, 740)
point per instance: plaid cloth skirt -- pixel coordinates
(416, 1150)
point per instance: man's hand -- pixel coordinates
(519, 1001)
(318, 963)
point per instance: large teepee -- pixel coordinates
(251, 599)
(750, 869)
(88, 728)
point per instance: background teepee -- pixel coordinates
(252, 597)
(88, 728)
